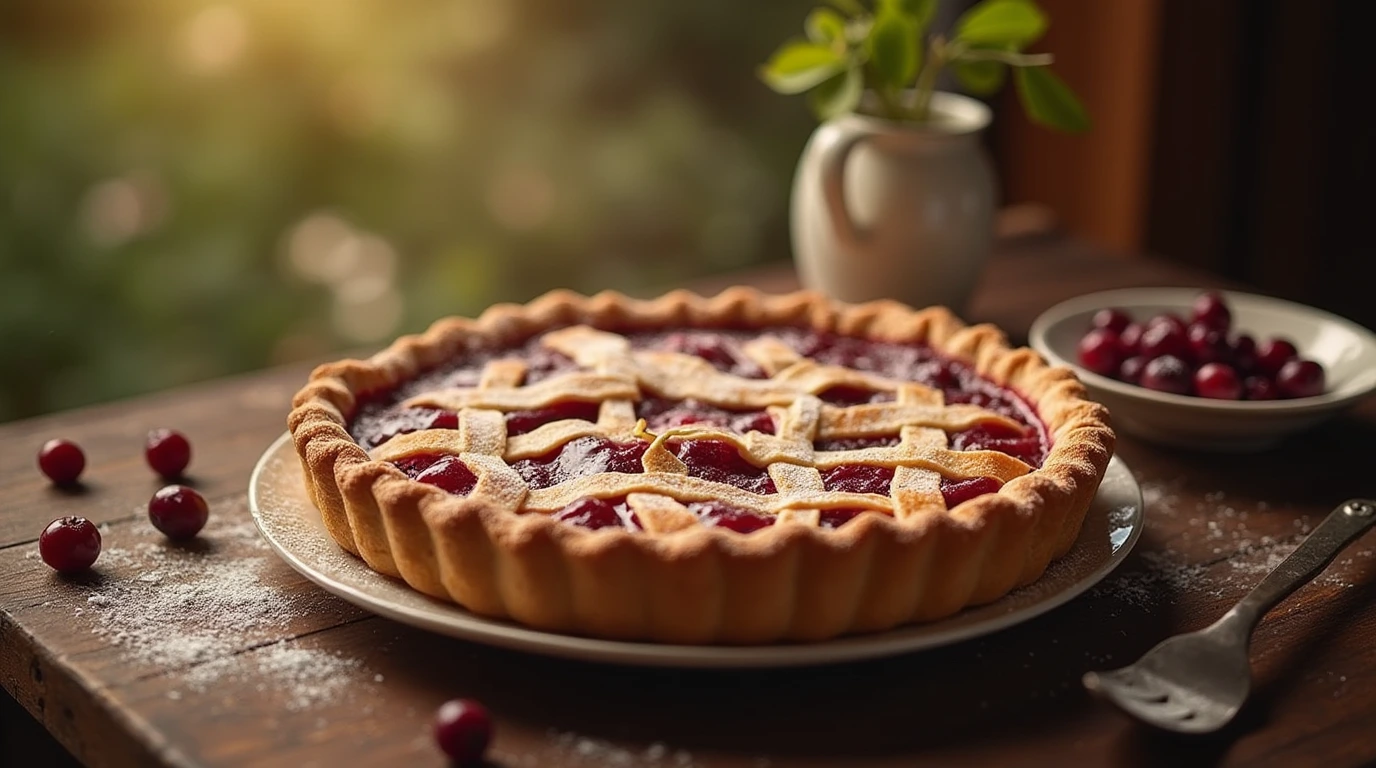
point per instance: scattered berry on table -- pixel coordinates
(463, 729)
(178, 511)
(168, 452)
(62, 461)
(69, 544)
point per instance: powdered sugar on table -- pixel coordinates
(1242, 556)
(212, 609)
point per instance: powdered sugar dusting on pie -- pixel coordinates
(754, 425)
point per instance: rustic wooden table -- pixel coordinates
(219, 654)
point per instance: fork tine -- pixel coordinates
(1126, 682)
(1144, 697)
(1165, 713)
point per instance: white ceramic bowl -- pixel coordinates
(1346, 350)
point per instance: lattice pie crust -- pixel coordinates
(498, 553)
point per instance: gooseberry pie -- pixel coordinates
(738, 469)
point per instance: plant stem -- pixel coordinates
(1010, 58)
(926, 79)
(888, 103)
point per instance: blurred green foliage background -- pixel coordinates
(191, 189)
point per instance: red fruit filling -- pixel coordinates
(719, 515)
(956, 491)
(382, 416)
(1025, 445)
(722, 462)
(599, 513)
(404, 421)
(722, 351)
(660, 414)
(580, 458)
(858, 478)
(521, 422)
(449, 474)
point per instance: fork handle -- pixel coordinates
(1350, 520)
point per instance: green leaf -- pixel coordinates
(1049, 101)
(1002, 22)
(837, 96)
(798, 66)
(919, 12)
(848, 7)
(981, 78)
(825, 26)
(894, 49)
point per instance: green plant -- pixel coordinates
(850, 49)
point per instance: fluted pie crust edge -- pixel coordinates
(786, 582)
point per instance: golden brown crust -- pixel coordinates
(787, 582)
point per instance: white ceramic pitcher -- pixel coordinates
(892, 210)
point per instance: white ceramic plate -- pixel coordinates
(293, 527)
(1346, 350)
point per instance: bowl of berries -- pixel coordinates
(1214, 370)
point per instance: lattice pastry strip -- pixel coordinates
(659, 495)
(917, 489)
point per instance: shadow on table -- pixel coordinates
(997, 689)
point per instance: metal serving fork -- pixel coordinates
(1197, 682)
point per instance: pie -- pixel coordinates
(741, 469)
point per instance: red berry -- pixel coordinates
(1130, 340)
(1260, 388)
(1207, 345)
(1274, 353)
(462, 730)
(1211, 309)
(179, 512)
(62, 461)
(1167, 373)
(1169, 319)
(1131, 369)
(451, 474)
(1113, 319)
(1244, 353)
(1217, 381)
(1098, 351)
(1164, 339)
(69, 544)
(1300, 378)
(168, 452)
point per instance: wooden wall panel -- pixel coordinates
(1097, 182)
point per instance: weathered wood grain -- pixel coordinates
(1214, 524)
